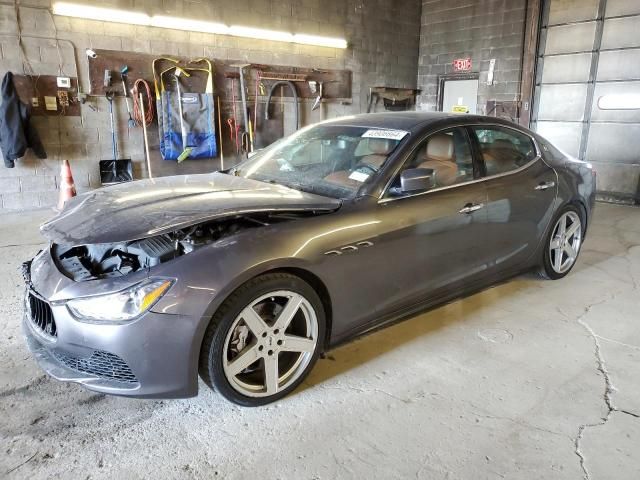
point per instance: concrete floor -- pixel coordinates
(530, 379)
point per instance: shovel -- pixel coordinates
(116, 170)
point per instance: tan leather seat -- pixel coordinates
(439, 156)
(499, 157)
(341, 177)
(379, 148)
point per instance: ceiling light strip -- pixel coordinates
(176, 23)
(100, 13)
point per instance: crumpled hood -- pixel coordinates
(145, 208)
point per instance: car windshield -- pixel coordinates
(330, 160)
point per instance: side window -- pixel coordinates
(504, 149)
(446, 154)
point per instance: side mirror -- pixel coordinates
(415, 179)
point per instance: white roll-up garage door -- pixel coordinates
(587, 98)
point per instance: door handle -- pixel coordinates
(471, 207)
(545, 185)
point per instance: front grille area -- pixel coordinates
(101, 364)
(41, 315)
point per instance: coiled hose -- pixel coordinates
(295, 98)
(138, 86)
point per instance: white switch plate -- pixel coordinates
(63, 82)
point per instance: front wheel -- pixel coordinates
(563, 244)
(263, 340)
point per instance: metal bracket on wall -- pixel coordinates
(492, 66)
(395, 99)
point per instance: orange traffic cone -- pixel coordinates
(67, 187)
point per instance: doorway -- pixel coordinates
(458, 93)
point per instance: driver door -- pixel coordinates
(434, 240)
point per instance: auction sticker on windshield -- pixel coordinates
(388, 134)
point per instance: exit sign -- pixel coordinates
(462, 65)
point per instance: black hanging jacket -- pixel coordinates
(16, 132)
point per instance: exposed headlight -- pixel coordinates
(120, 306)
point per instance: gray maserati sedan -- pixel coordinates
(246, 276)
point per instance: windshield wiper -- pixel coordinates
(309, 189)
(294, 186)
(229, 171)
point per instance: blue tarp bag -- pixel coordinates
(186, 121)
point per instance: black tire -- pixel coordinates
(546, 269)
(211, 354)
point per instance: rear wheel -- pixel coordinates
(563, 244)
(263, 340)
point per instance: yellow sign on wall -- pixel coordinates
(460, 109)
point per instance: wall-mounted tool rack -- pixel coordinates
(336, 86)
(337, 83)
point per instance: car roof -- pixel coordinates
(409, 121)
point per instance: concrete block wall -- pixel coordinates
(383, 38)
(480, 29)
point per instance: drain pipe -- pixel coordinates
(295, 97)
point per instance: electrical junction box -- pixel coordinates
(63, 82)
(63, 98)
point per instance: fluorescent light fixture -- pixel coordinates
(177, 23)
(162, 21)
(260, 34)
(319, 41)
(100, 13)
(629, 101)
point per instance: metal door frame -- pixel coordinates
(534, 12)
(448, 77)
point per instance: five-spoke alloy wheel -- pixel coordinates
(563, 244)
(263, 340)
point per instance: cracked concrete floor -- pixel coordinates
(529, 379)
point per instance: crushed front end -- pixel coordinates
(145, 356)
(127, 317)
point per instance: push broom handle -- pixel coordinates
(144, 133)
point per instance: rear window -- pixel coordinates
(504, 149)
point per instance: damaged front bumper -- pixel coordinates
(58, 368)
(153, 356)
